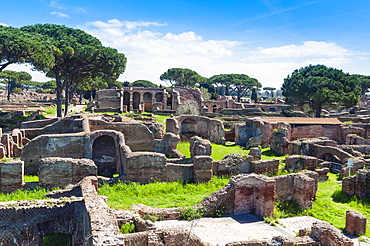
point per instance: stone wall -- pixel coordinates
(314, 131)
(179, 172)
(202, 168)
(168, 145)
(11, 176)
(297, 187)
(254, 194)
(297, 163)
(239, 163)
(320, 148)
(199, 146)
(355, 223)
(27, 222)
(192, 125)
(328, 235)
(357, 185)
(265, 167)
(137, 136)
(144, 167)
(254, 133)
(59, 172)
(56, 145)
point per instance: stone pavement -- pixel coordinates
(220, 231)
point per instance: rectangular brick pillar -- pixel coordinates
(355, 223)
(202, 168)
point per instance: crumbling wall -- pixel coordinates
(204, 127)
(279, 142)
(239, 163)
(297, 187)
(355, 223)
(357, 185)
(27, 222)
(254, 133)
(168, 145)
(137, 136)
(328, 235)
(59, 172)
(11, 175)
(146, 166)
(199, 146)
(314, 131)
(56, 145)
(297, 163)
(254, 194)
(319, 148)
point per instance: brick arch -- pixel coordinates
(108, 150)
(327, 151)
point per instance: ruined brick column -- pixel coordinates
(355, 223)
(202, 168)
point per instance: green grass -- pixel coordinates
(30, 178)
(219, 151)
(161, 118)
(23, 195)
(159, 194)
(331, 204)
(50, 110)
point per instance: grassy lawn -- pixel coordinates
(219, 151)
(159, 194)
(23, 195)
(331, 204)
(28, 178)
(161, 119)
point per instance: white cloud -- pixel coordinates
(3, 24)
(307, 49)
(150, 53)
(56, 5)
(129, 25)
(60, 14)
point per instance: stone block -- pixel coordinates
(348, 185)
(202, 163)
(202, 176)
(328, 235)
(176, 172)
(256, 153)
(298, 163)
(323, 173)
(11, 175)
(59, 172)
(355, 223)
(199, 146)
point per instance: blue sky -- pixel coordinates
(265, 39)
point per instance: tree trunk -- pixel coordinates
(59, 96)
(66, 103)
(318, 109)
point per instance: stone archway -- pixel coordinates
(159, 97)
(169, 101)
(135, 101)
(126, 100)
(104, 154)
(189, 128)
(147, 98)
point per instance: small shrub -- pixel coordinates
(127, 228)
(153, 217)
(191, 213)
(219, 212)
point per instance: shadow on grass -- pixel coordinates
(341, 197)
(270, 153)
